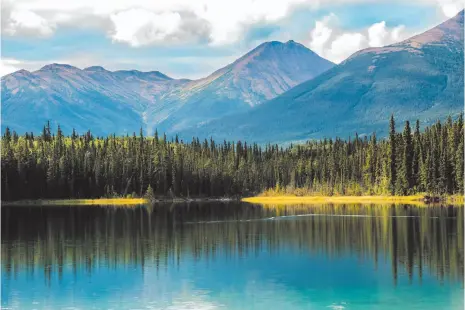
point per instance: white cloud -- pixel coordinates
(321, 34)
(144, 22)
(345, 45)
(398, 33)
(29, 23)
(377, 34)
(141, 27)
(8, 66)
(229, 19)
(335, 44)
(450, 8)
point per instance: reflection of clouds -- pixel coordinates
(192, 304)
(173, 289)
(193, 299)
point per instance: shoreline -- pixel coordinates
(264, 200)
(109, 201)
(412, 199)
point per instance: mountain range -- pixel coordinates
(278, 92)
(419, 78)
(124, 101)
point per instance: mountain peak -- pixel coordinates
(159, 74)
(451, 29)
(293, 43)
(290, 43)
(58, 67)
(142, 74)
(95, 69)
(288, 47)
(22, 73)
(264, 72)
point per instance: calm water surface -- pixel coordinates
(232, 256)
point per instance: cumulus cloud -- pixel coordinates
(140, 27)
(145, 22)
(335, 44)
(377, 34)
(450, 8)
(345, 45)
(25, 22)
(321, 34)
(398, 33)
(9, 65)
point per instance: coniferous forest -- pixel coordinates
(54, 166)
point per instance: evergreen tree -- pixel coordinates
(404, 177)
(392, 153)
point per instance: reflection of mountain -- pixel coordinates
(87, 236)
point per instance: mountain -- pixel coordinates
(265, 72)
(421, 77)
(123, 101)
(93, 98)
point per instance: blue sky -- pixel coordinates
(191, 39)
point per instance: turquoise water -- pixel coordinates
(232, 256)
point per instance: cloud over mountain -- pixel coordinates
(329, 40)
(145, 22)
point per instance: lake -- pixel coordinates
(232, 256)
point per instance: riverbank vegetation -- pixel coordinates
(418, 200)
(54, 166)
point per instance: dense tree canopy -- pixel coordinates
(83, 166)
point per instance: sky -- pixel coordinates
(193, 38)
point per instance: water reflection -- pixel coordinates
(50, 244)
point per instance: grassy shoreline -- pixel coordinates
(413, 199)
(105, 201)
(265, 200)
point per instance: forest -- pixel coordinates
(54, 166)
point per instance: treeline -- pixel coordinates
(83, 166)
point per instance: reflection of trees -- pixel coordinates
(415, 240)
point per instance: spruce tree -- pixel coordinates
(392, 153)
